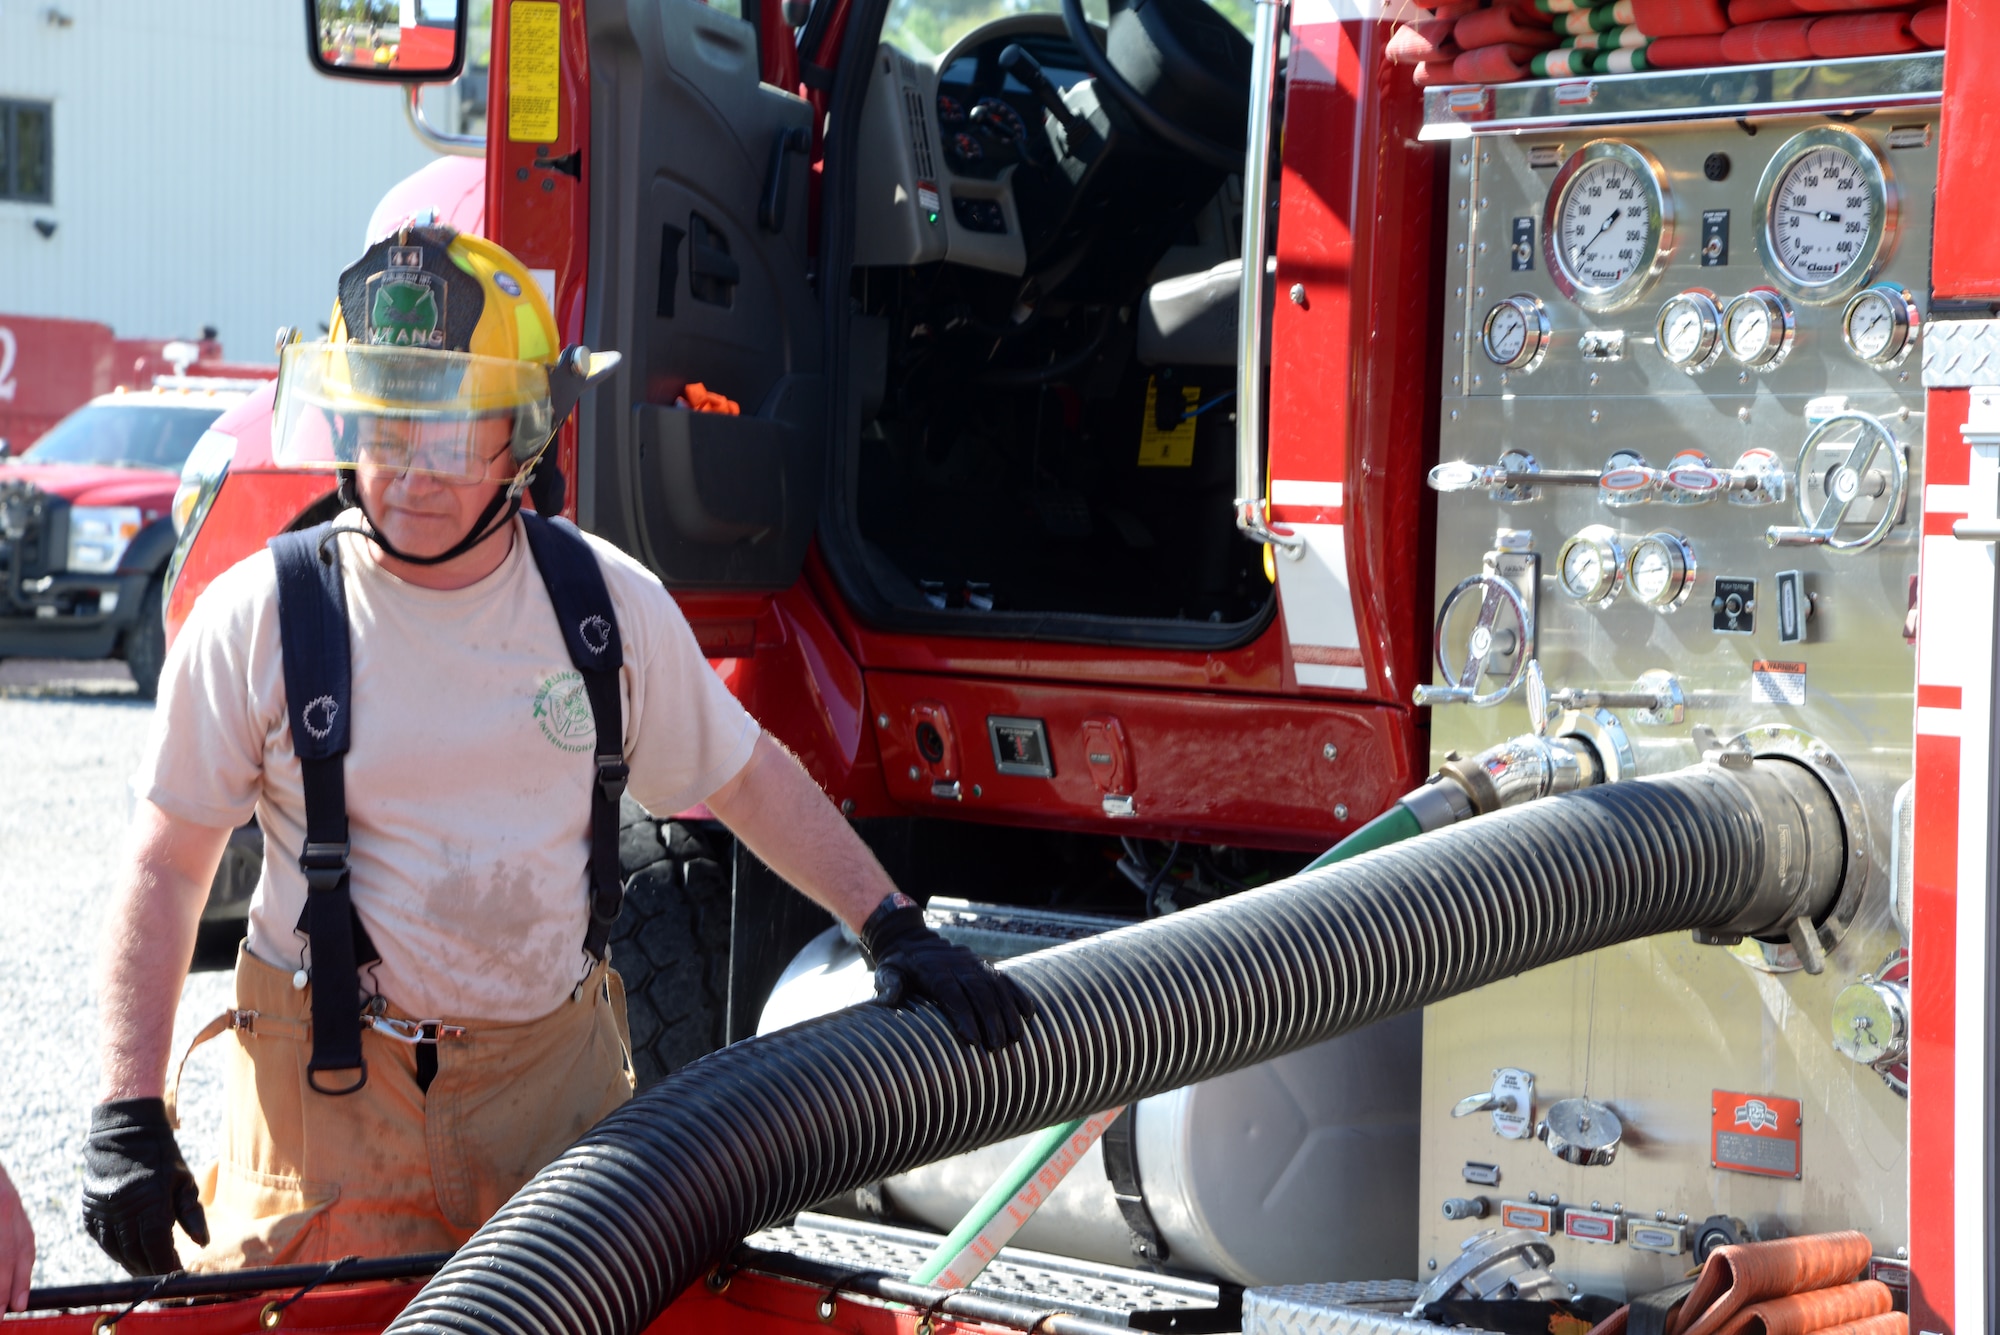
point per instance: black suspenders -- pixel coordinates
(312, 629)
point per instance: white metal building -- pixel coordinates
(197, 172)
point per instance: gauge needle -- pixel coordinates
(1822, 214)
(1577, 256)
(1682, 327)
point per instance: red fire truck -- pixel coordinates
(1160, 450)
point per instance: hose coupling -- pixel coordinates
(1520, 769)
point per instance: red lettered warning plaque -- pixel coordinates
(1755, 1133)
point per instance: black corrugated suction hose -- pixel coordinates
(607, 1235)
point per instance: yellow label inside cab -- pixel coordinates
(534, 71)
(1167, 449)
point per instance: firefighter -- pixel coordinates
(432, 705)
(17, 1248)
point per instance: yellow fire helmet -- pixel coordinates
(442, 358)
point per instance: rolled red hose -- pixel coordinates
(1772, 40)
(1927, 26)
(1743, 12)
(1862, 35)
(1685, 53)
(1679, 18)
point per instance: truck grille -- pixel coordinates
(34, 533)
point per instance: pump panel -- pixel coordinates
(1681, 393)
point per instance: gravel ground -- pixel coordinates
(70, 735)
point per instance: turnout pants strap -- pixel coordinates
(312, 629)
(590, 632)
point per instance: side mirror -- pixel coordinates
(391, 41)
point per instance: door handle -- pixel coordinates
(771, 208)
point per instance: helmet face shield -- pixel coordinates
(449, 415)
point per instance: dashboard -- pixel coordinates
(945, 139)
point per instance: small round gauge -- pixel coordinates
(1689, 330)
(1591, 565)
(1661, 570)
(964, 149)
(1828, 209)
(999, 116)
(1877, 324)
(1515, 334)
(1757, 328)
(951, 111)
(1608, 225)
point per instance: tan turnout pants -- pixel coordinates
(392, 1169)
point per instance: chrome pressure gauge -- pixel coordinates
(1877, 323)
(1829, 214)
(1592, 566)
(1608, 226)
(1515, 335)
(1757, 328)
(1661, 570)
(1689, 330)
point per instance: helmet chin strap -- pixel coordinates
(491, 520)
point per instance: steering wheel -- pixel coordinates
(1218, 155)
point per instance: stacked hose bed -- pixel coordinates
(605, 1237)
(1468, 41)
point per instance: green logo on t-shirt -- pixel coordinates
(563, 710)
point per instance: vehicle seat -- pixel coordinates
(1191, 320)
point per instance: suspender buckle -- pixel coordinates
(325, 866)
(612, 772)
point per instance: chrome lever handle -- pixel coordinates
(1484, 1101)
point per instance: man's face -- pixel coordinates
(423, 513)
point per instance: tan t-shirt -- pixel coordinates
(468, 771)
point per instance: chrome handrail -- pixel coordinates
(1250, 512)
(460, 145)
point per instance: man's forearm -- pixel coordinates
(147, 946)
(777, 810)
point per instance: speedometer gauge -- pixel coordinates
(1829, 214)
(1608, 226)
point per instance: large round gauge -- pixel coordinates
(1591, 565)
(1515, 334)
(1829, 215)
(1877, 324)
(1660, 570)
(1689, 330)
(1757, 328)
(1608, 225)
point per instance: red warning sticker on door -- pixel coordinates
(1778, 683)
(1755, 1133)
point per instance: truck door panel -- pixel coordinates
(698, 180)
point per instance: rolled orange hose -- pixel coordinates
(1679, 18)
(1735, 1277)
(1927, 26)
(1490, 64)
(1889, 1323)
(1772, 40)
(1414, 43)
(1814, 1310)
(1862, 35)
(1432, 73)
(1685, 53)
(1490, 27)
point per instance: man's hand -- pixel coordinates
(136, 1186)
(984, 1005)
(17, 1249)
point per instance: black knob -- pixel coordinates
(1716, 166)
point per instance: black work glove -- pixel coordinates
(984, 1005)
(136, 1185)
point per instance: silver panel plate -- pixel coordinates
(1732, 90)
(1672, 1020)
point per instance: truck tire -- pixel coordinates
(146, 641)
(671, 942)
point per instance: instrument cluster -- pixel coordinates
(1825, 213)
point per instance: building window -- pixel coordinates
(25, 149)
